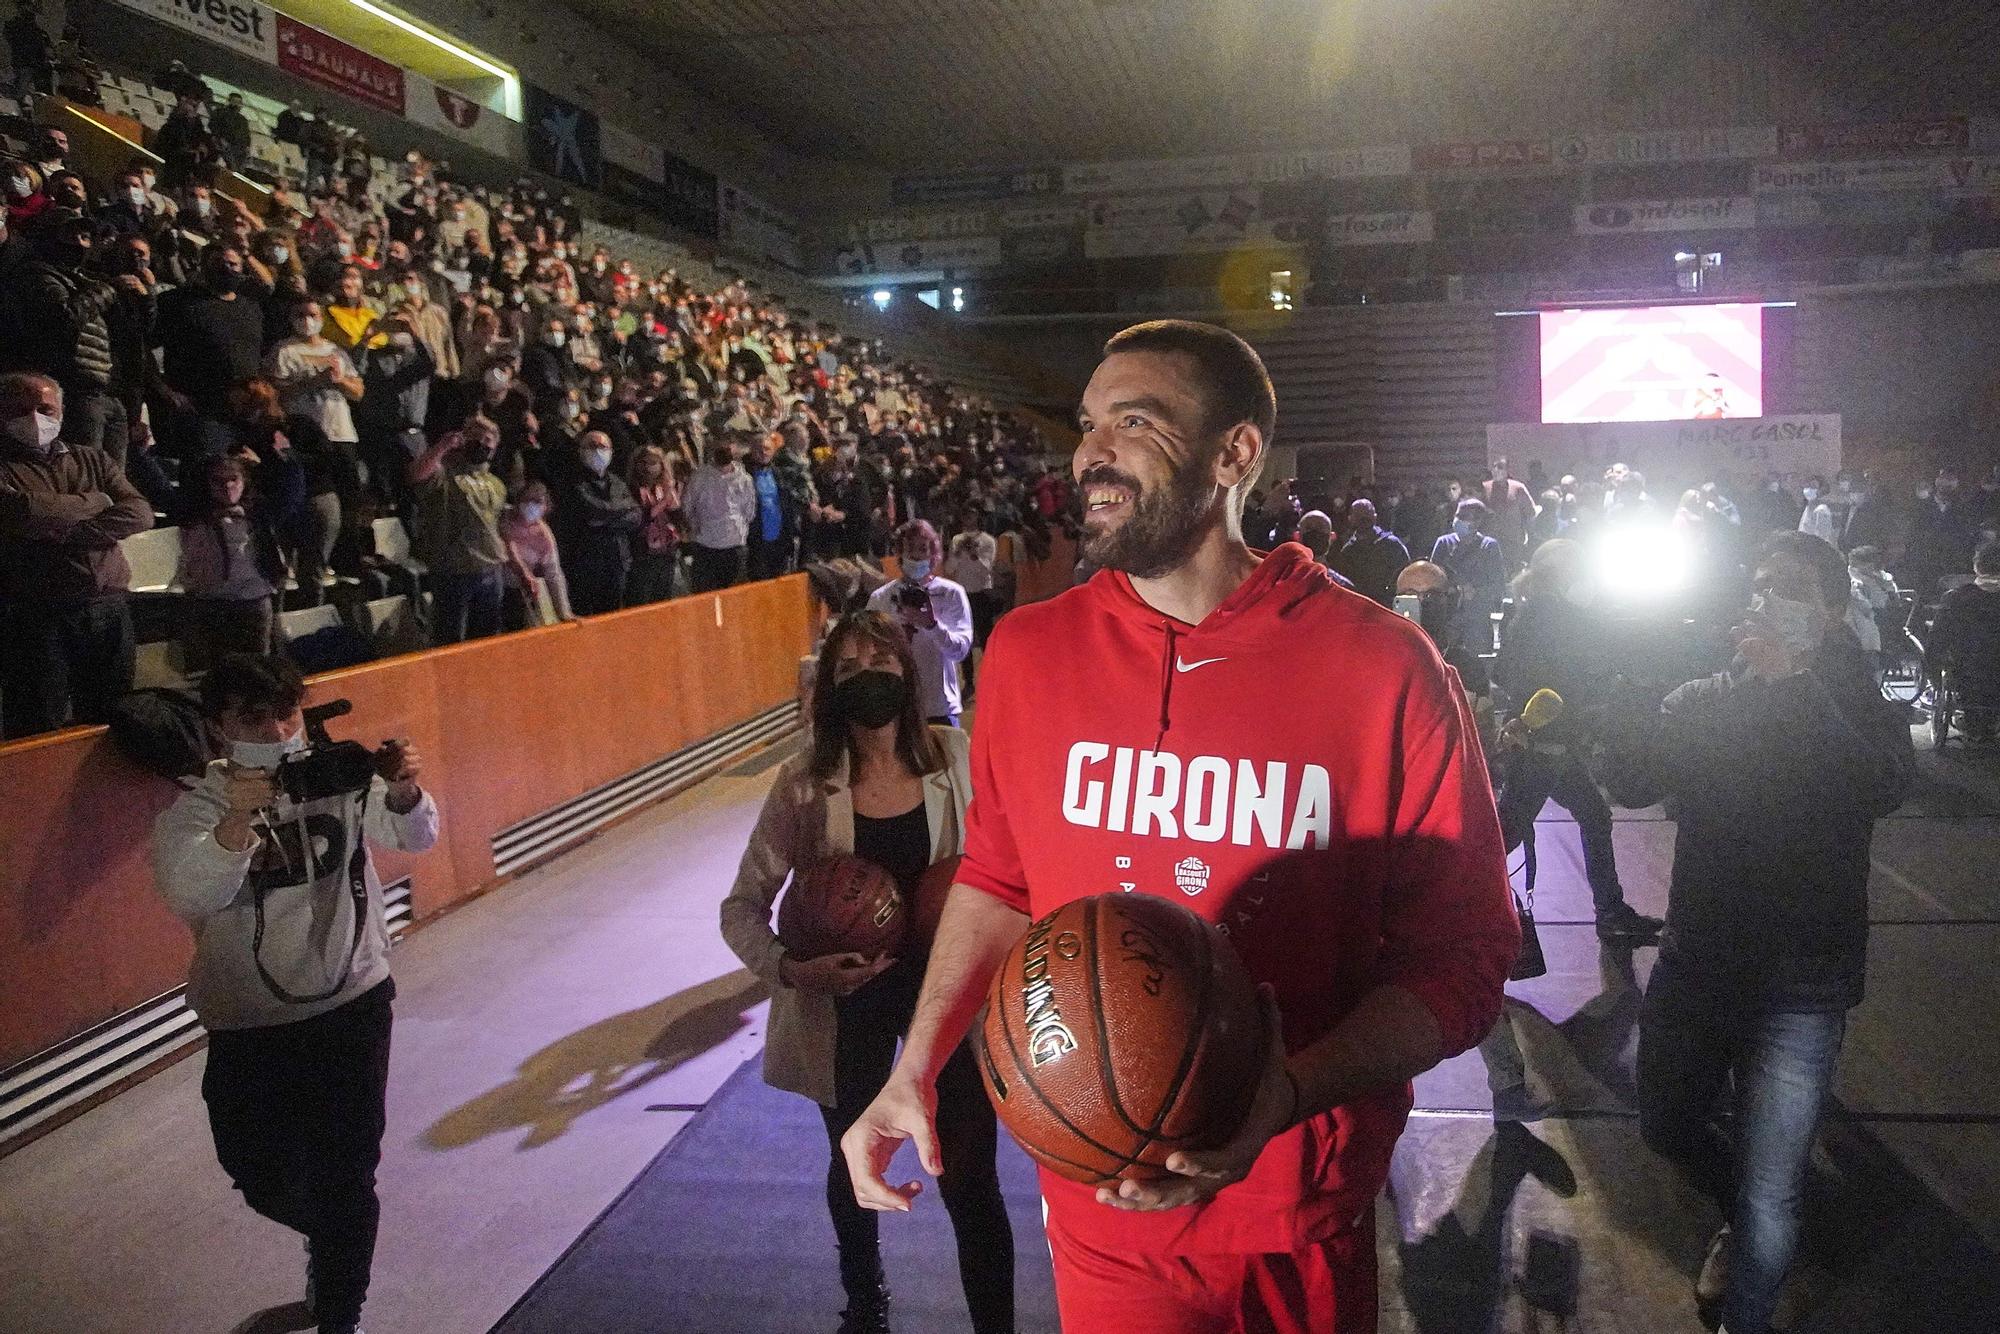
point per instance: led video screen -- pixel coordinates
(1652, 363)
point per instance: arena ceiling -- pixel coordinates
(938, 85)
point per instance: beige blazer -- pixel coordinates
(803, 820)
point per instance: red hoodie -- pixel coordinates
(1296, 769)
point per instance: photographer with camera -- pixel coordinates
(935, 613)
(266, 859)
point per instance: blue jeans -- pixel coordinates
(1694, 1040)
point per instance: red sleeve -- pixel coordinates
(1449, 932)
(992, 861)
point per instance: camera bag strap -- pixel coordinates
(357, 892)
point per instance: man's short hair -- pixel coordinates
(1471, 506)
(252, 683)
(1986, 560)
(25, 386)
(1235, 387)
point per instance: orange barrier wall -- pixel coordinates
(508, 728)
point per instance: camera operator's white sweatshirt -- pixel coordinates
(308, 909)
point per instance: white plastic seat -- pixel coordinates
(155, 558)
(308, 620)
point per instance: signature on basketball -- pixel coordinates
(1142, 947)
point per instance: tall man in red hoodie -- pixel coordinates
(1238, 733)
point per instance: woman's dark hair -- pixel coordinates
(920, 752)
(250, 683)
(1827, 566)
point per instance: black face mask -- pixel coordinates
(871, 699)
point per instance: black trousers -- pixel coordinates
(297, 1111)
(715, 568)
(1532, 779)
(63, 663)
(870, 1021)
(770, 559)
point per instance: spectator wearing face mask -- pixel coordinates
(545, 369)
(1817, 518)
(524, 442)
(66, 645)
(534, 565)
(32, 52)
(351, 318)
(1964, 644)
(773, 544)
(1478, 570)
(1777, 771)
(458, 502)
(1941, 537)
(595, 519)
(58, 314)
(656, 546)
(26, 200)
(231, 566)
(721, 506)
(935, 613)
(1510, 508)
(1372, 556)
(316, 380)
(395, 403)
(212, 338)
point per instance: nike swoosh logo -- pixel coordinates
(1181, 665)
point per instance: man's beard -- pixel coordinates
(1162, 530)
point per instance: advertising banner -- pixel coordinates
(1400, 227)
(968, 252)
(1224, 171)
(1186, 223)
(693, 200)
(756, 228)
(331, 63)
(438, 108)
(1932, 134)
(1485, 155)
(1746, 446)
(1902, 173)
(561, 137)
(240, 25)
(921, 226)
(1666, 215)
(1720, 144)
(966, 187)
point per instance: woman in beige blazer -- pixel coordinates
(878, 782)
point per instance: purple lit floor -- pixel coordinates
(556, 1036)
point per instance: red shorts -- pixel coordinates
(1328, 1288)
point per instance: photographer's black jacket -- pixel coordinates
(1774, 788)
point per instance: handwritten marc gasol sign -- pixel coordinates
(1799, 445)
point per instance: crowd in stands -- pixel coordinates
(557, 433)
(1929, 562)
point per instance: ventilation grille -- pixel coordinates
(67, 1076)
(543, 836)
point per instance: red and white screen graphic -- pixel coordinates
(1652, 363)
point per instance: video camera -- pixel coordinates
(329, 768)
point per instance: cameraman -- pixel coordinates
(292, 985)
(935, 613)
(1775, 773)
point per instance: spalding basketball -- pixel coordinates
(842, 904)
(1119, 1029)
(927, 903)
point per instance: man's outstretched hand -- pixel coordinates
(1199, 1175)
(905, 1109)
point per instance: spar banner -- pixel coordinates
(561, 137)
(333, 64)
(438, 108)
(1800, 445)
(240, 25)
(1933, 134)
(1497, 156)
(1666, 215)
